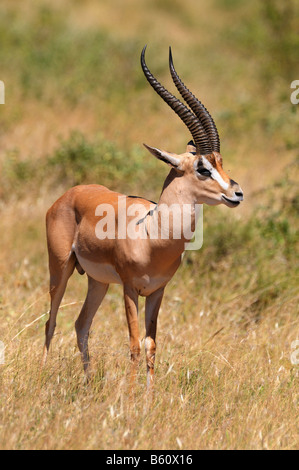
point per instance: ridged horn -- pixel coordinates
(202, 142)
(197, 107)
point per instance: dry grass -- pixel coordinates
(224, 378)
(232, 391)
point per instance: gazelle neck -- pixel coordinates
(175, 212)
(176, 190)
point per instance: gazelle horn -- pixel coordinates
(197, 107)
(202, 142)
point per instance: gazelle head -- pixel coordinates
(201, 165)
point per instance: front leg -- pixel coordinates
(152, 306)
(131, 305)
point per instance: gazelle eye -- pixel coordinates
(204, 172)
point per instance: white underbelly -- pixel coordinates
(106, 273)
(101, 272)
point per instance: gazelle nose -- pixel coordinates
(239, 194)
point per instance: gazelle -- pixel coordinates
(143, 266)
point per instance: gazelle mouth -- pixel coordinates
(230, 202)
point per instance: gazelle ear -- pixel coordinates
(191, 147)
(170, 158)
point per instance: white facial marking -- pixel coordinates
(215, 174)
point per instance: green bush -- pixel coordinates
(80, 161)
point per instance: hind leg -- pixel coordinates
(95, 295)
(59, 276)
(61, 229)
(131, 306)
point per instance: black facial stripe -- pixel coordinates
(200, 164)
